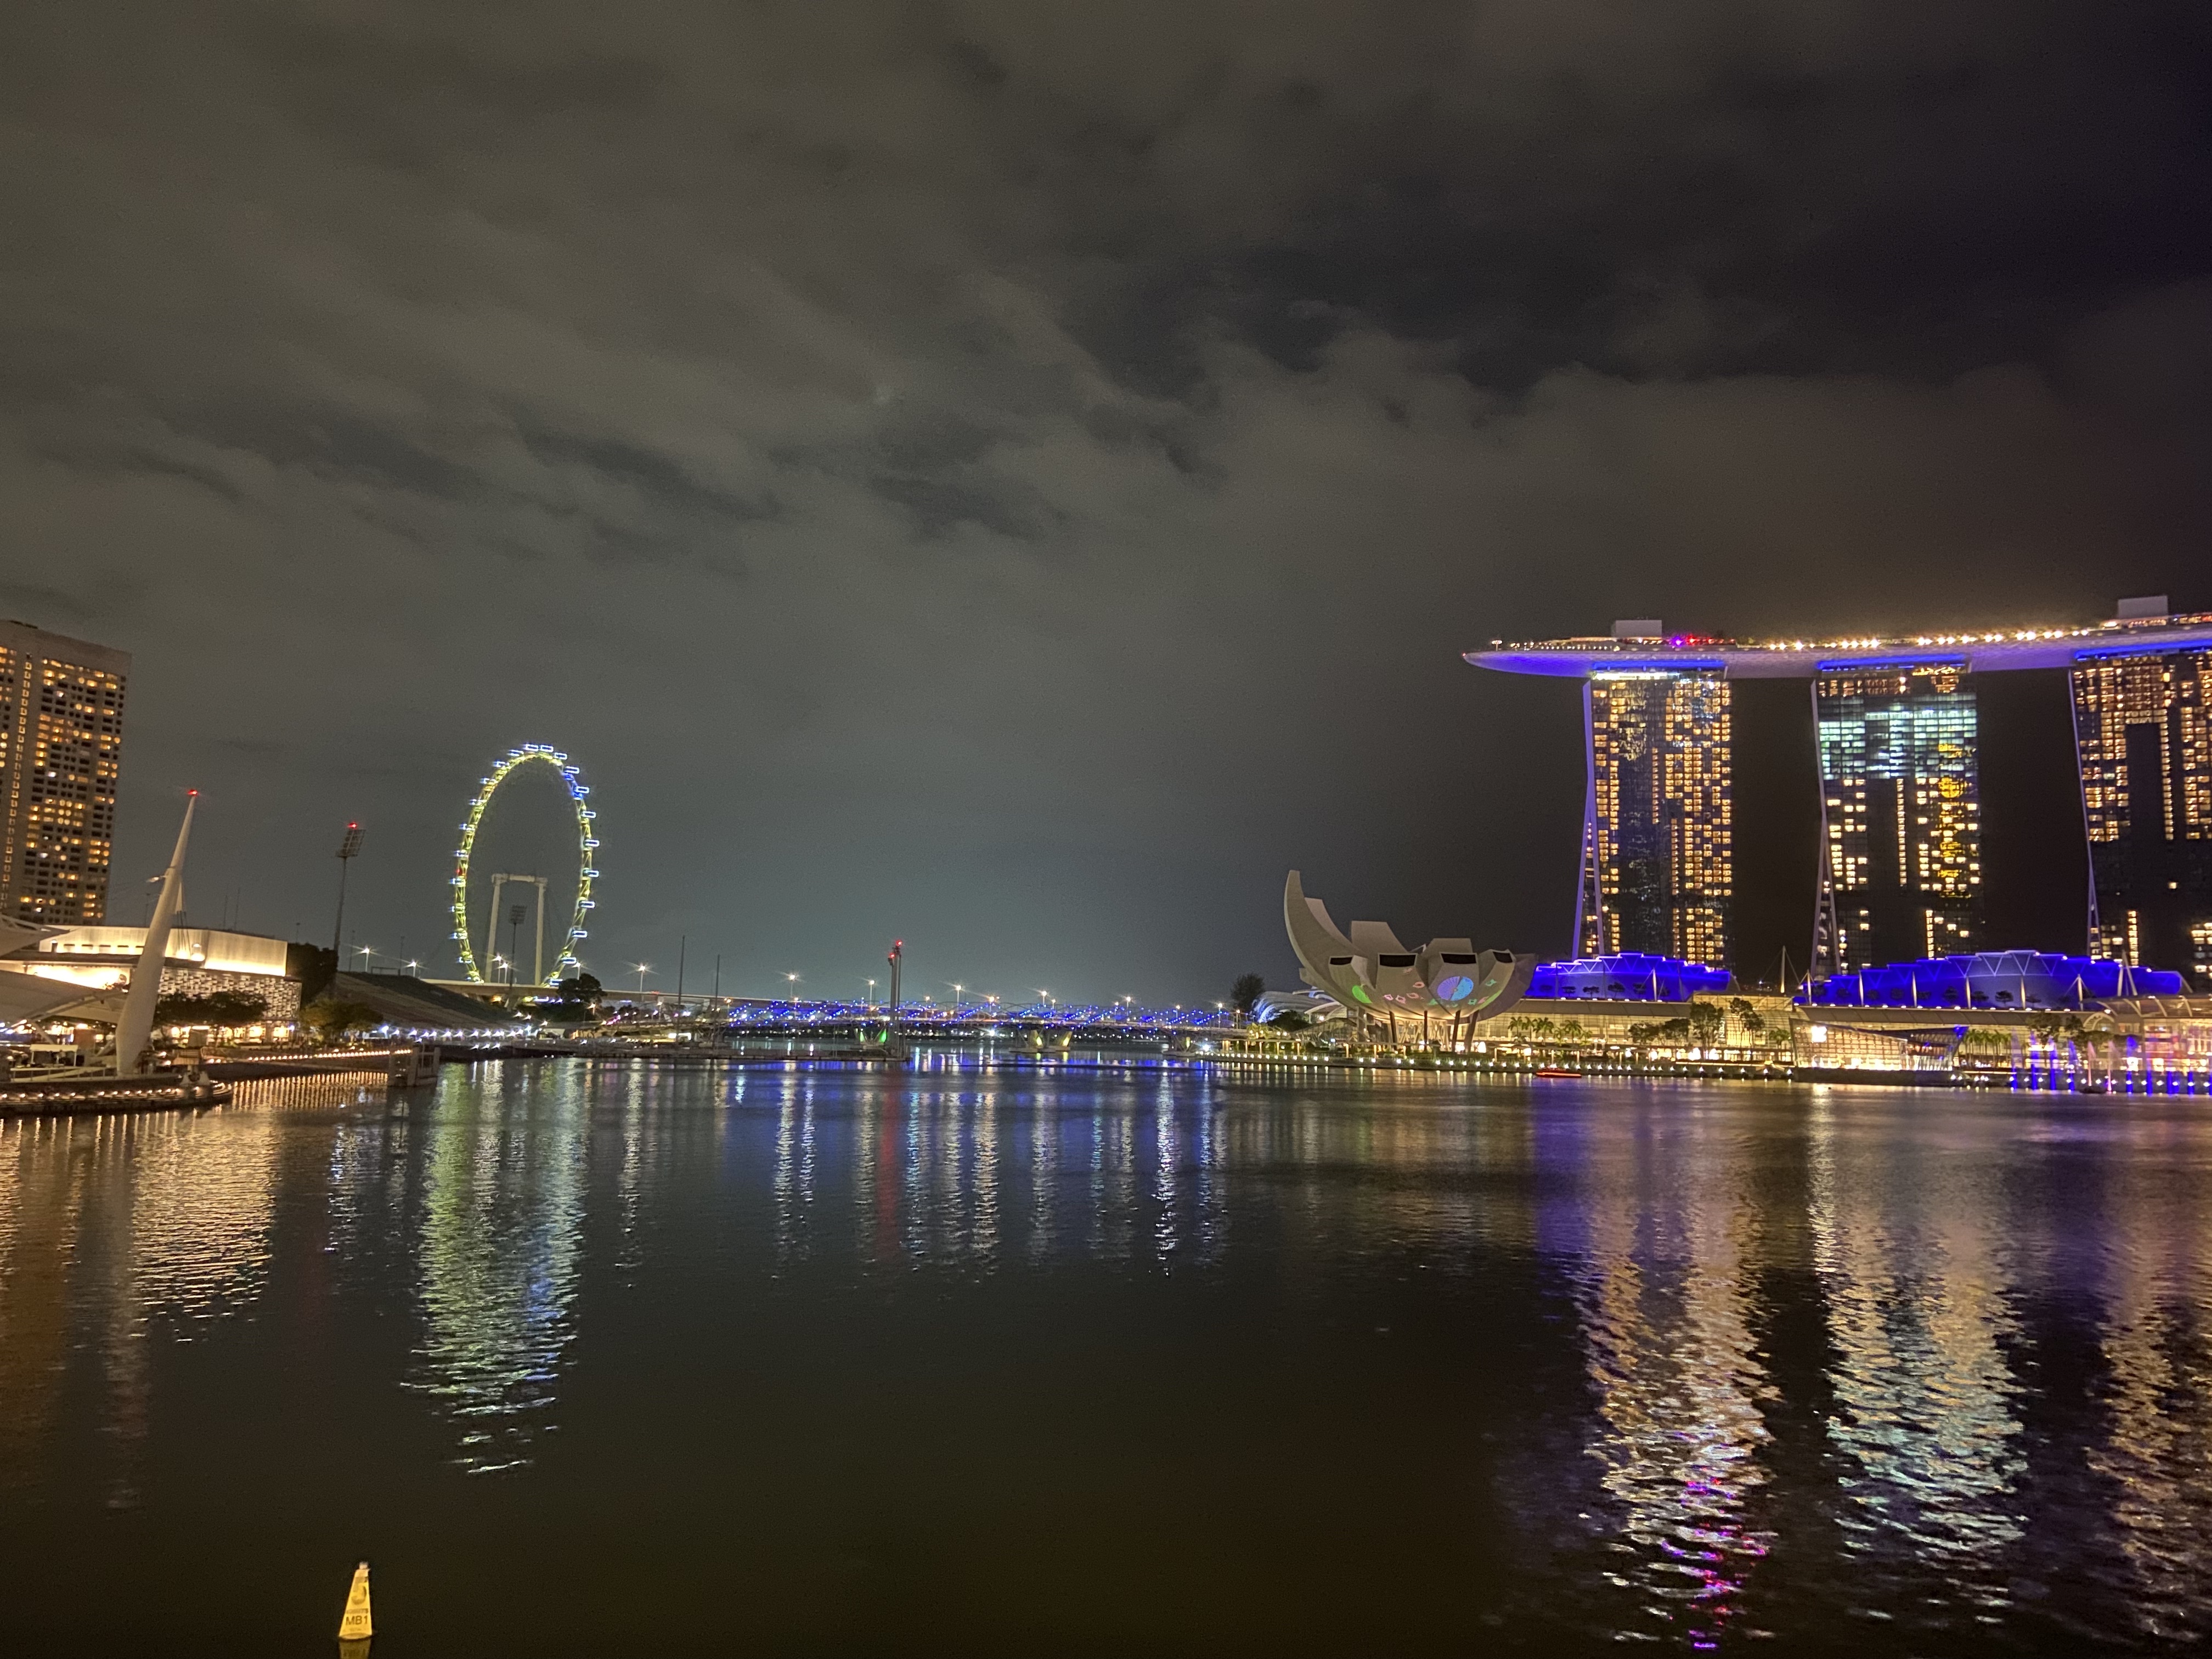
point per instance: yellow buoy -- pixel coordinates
(355, 1626)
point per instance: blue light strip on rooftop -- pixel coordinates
(2143, 649)
(1900, 659)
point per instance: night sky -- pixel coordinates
(1020, 477)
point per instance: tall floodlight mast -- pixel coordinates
(349, 849)
(566, 963)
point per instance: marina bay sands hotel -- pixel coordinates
(1898, 739)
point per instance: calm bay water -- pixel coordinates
(1141, 1360)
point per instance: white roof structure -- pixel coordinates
(1372, 972)
(1313, 1005)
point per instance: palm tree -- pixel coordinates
(1247, 992)
(1983, 1040)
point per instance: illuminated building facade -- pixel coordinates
(1900, 875)
(1658, 831)
(2141, 736)
(61, 746)
(2006, 981)
(200, 960)
(1632, 977)
(1901, 831)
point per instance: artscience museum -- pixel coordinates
(1370, 972)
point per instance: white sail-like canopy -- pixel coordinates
(1371, 970)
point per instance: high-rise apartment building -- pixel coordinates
(1658, 831)
(1901, 829)
(61, 745)
(2142, 736)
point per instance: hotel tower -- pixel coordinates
(1900, 814)
(61, 744)
(1658, 849)
(1897, 734)
(2141, 730)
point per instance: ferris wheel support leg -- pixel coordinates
(491, 923)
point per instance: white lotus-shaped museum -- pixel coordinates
(1372, 972)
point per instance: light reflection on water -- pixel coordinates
(2155, 1336)
(111, 1230)
(503, 1211)
(1786, 1363)
(1904, 1247)
(1665, 1309)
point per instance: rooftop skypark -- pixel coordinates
(2142, 625)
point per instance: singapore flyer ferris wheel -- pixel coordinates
(565, 963)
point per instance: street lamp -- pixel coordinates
(957, 987)
(642, 969)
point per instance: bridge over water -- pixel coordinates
(1114, 1020)
(979, 1018)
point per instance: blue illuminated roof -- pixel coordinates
(1630, 976)
(1993, 980)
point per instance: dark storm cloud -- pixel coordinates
(1018, 475)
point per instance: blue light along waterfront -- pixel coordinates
(617, 1359)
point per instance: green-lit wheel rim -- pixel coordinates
(587, 847)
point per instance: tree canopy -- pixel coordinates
(211, 1008)
(333, 1018)
(572, 999)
